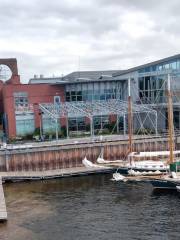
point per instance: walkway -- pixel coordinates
(48, 174)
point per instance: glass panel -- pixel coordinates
(154, 68)
(141, 83)
(166, 66)
(79, 98)
(174, 65)
(79, 87)
(49, 125)
(73, 98)
(100, 122)
(178, 64)
(90, 86)
(77, 124)
(24, 127)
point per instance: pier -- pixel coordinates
(51, 174)
(3, 211)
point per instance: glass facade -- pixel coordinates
(152, 89)
(152, 81)
(153, 85)
(174, 65)
(95, 91)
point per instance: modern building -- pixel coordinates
(22, 109)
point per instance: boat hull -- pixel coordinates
(124, 170)
(164, 184)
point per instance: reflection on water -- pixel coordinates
(91, 207)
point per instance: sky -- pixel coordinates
(61, 36)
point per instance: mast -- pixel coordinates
(170, 121)
(130, 128)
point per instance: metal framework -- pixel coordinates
(160, 102)
(94, 108)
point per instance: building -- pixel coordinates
(21, 104)
(150, 85)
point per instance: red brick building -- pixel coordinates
(19, 102)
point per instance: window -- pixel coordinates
(94, 91)
(151, 89)
(20, 99)
(77, 124)
(49, 125)
(101, 122)
(24, 124)
(176, 120)
(57, 100)
(141, 83)
(174, 65)
(166, 66)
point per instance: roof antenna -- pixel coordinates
(79, 66)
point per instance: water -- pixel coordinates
(89, 208)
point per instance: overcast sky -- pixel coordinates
(61, 36)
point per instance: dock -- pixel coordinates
(3, 211)
(51, 174)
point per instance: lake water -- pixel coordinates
(88, 208)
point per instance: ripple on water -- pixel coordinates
(91, 207)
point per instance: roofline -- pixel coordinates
(119, 73)
(45, 78)
(85, 81)
(99, 71)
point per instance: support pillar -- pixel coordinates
(156, 124)
(117, 122)
(92, 127)
(67, 127)
(7, 161)
(56, 129)
(124, 124)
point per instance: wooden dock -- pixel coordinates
(50, 174)
(3, 211)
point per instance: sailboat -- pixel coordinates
(172, 180)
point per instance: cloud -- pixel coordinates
(49, 37)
